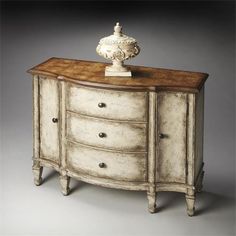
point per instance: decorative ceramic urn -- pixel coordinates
(117, 47)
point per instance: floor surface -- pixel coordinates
(91, 210)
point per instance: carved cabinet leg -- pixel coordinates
(65, 182)
(151, 195)
(37, 172)
(190, 201)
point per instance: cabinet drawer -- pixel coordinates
(110, 104)
(106, 164)
(106, 134)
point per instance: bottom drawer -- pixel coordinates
(106, 164)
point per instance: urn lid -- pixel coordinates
(118, 47)
(117, 37)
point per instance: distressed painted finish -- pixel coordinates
(154, 137)
(191, 153)
(49, 109)
(118, 105)
(117, 135)
(117, 165)
(152, 114)
(64, 182)
(64, 178)
(171, 117)
(37, 168)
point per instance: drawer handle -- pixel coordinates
(161, 136)
(102, 135)
(102, 165)
(54, 120)
(101, 104)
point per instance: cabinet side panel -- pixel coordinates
(171, 118)
(36, 117)
(199, 132)
(49, 109)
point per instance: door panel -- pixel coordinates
(49, 109)
(172, 116)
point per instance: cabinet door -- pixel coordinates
(171, 138)
(49, 109)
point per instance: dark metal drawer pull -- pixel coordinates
(102, 135)
(102, 165)
(101, 104)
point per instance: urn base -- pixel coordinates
(117, 69)
(118, 73)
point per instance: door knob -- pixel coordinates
(54, 120)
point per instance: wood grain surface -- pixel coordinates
(92, 73)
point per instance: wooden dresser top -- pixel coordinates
(92, 74)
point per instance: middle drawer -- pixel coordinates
(106, 134)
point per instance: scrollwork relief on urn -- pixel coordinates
(118, 48)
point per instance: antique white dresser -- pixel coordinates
(141, 133)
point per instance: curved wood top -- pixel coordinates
(92, 74)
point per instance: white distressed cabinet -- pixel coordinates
(140, 133)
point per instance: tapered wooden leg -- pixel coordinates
(37, 172)
(151, 195)
(65, 182)
(190, 201)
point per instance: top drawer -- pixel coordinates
(110, 104)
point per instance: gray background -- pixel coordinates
(189, 36)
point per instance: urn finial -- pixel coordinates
(117, 29)
(118, 47)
